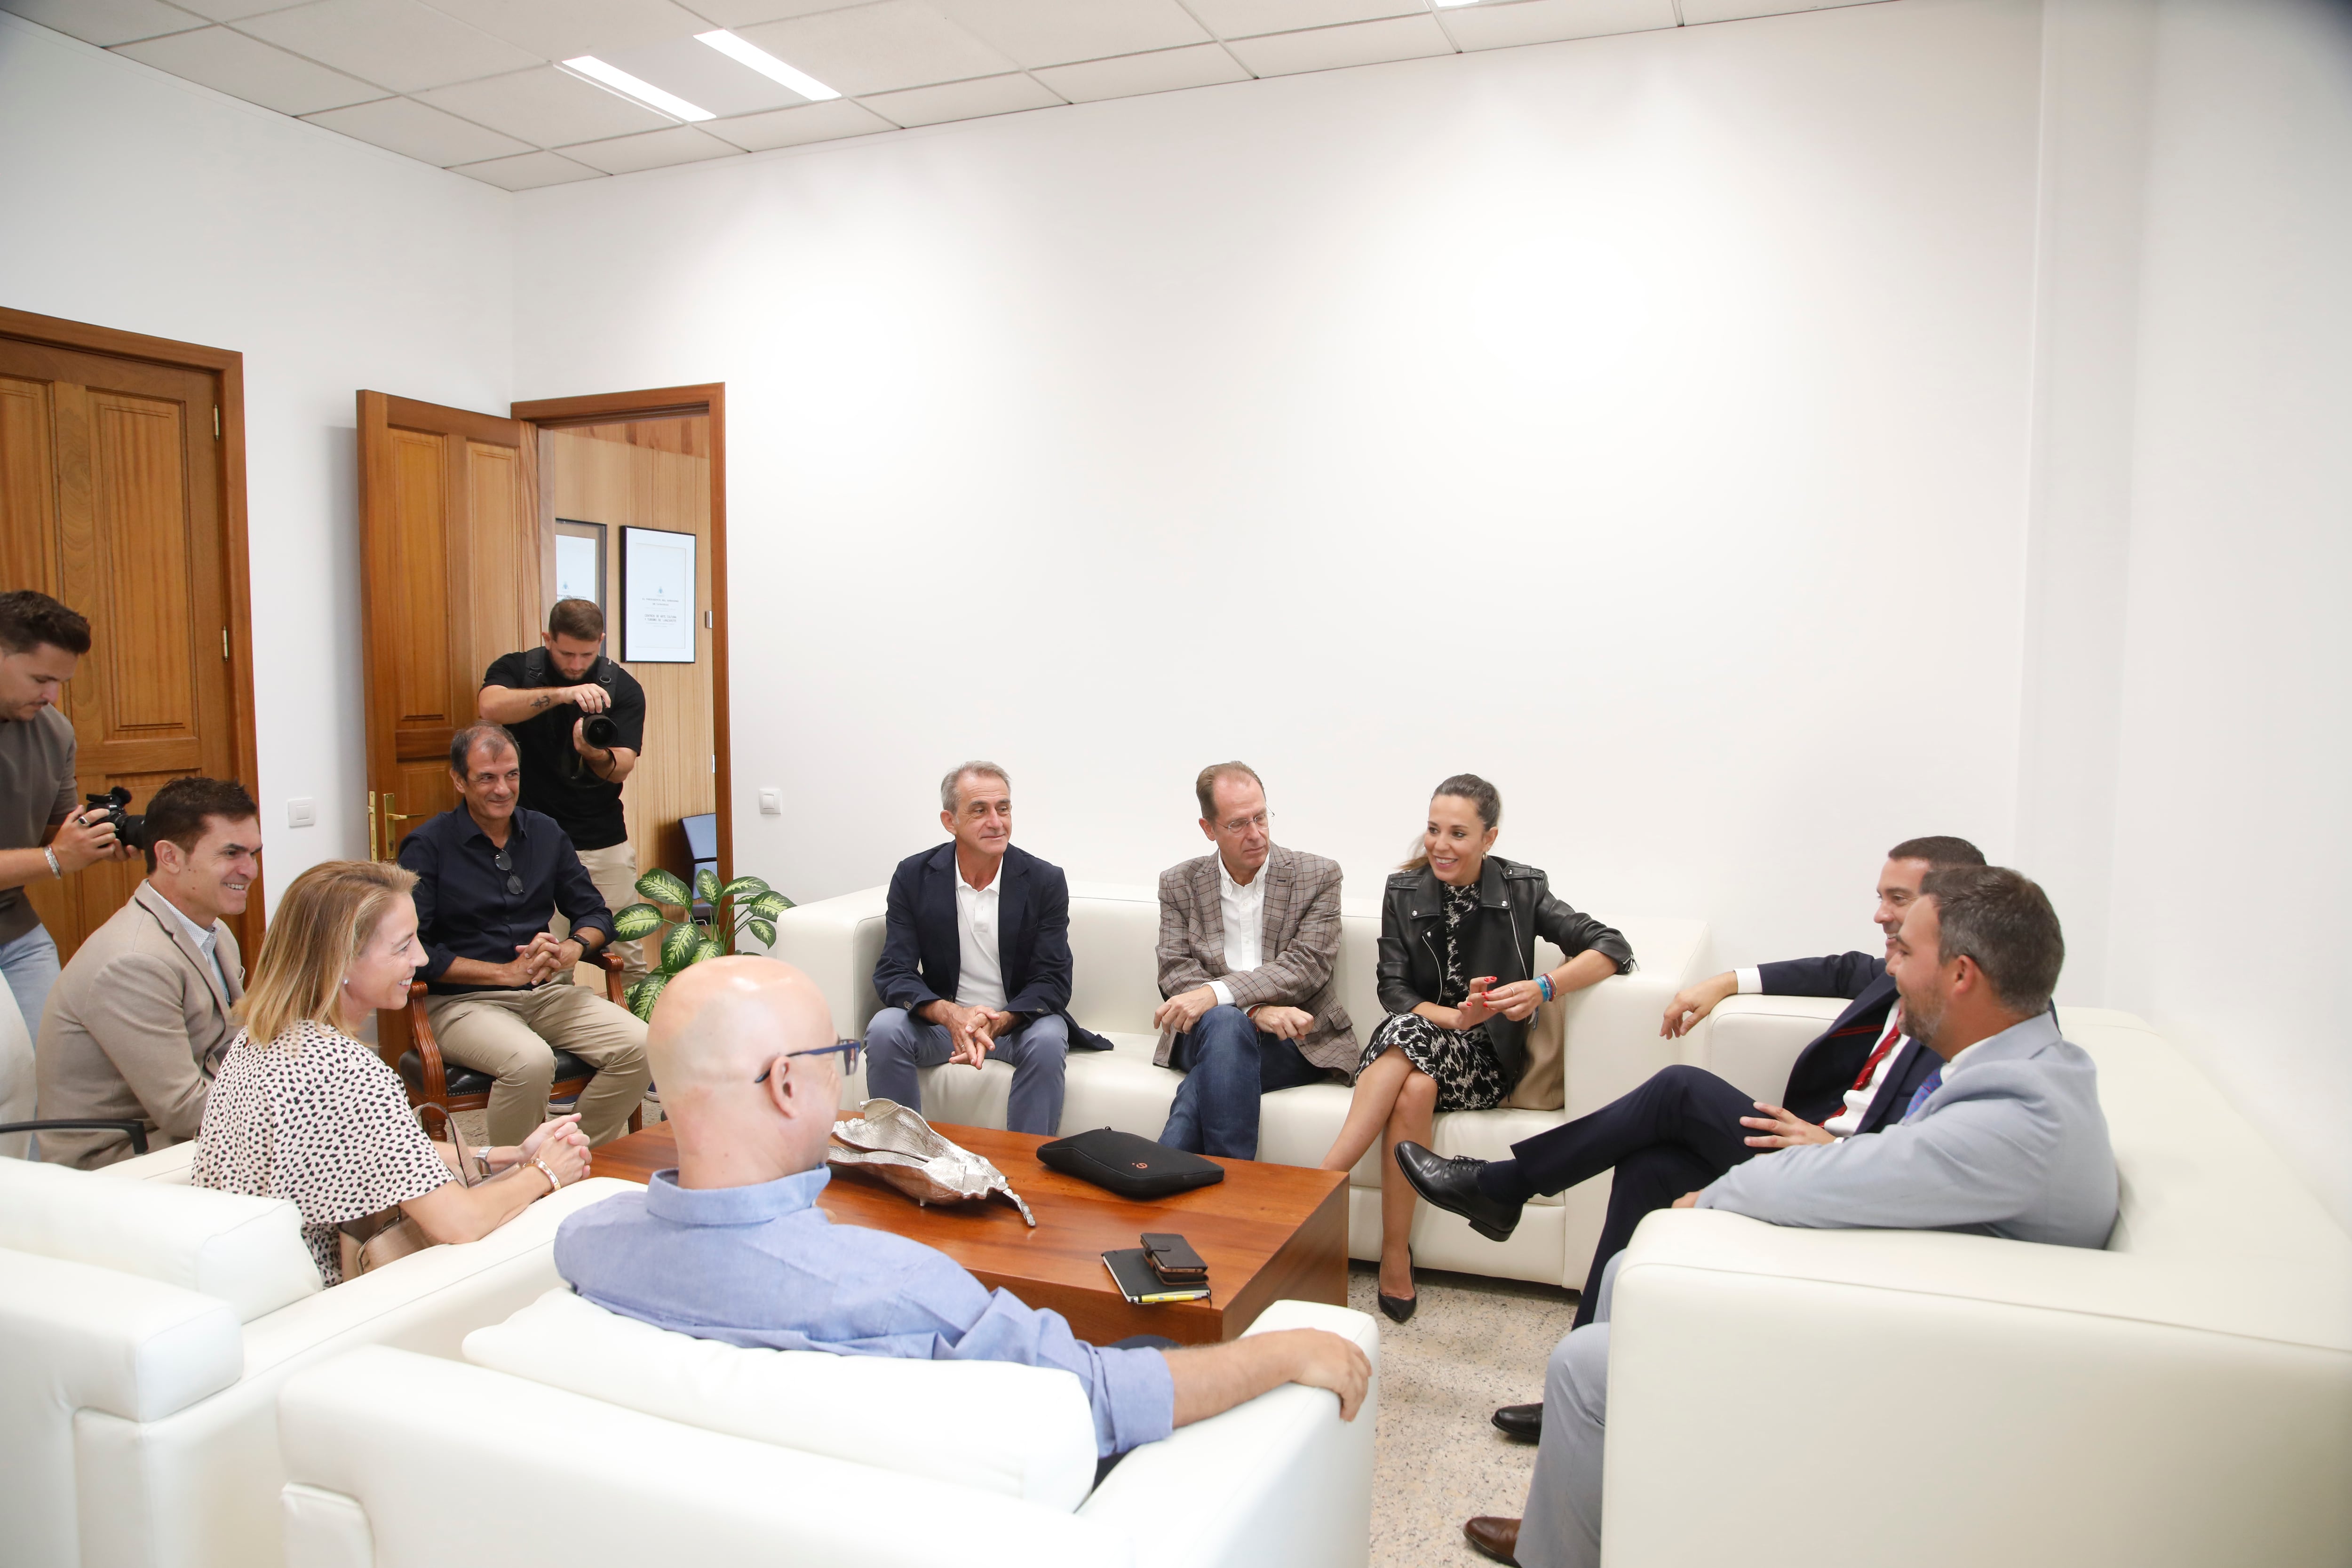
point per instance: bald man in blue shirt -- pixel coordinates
(730, 1245)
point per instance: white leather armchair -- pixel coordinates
(145, 1330)
(1610, 1032)
(609, 1442)
(2182, 1398)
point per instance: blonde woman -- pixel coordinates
(302, 1110)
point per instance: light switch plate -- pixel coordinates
(301, 812)
(771, 803)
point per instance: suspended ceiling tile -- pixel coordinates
(652, 150)
(1058, 31)
(1733, 10)
(876, 48)
(1131, 75)
(545, 106)
(705, 78)
(1491, 26)
(750, 13)
(413, 130)
(827, 121)
(397, 44)
(234, 10)
(559, 30)
(964, 101)
(1358, 44)
(1249, 19)
(106, 23)
(528, 171)
(245, 68)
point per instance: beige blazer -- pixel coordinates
(1300, 946)
(135, 1029)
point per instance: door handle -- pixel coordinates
(375, 837)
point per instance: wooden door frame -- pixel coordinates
(226, 366)
(673, 402)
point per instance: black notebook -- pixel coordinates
(1131, 1271)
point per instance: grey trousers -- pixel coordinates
(898, 1043)
(1561, 1527)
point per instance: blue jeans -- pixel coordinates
(896, 1043)
(29, 967)
(1228, 1063)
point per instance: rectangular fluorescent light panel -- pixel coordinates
(1443, 5)
(613, 78)
(766, 64)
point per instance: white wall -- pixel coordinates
(2233, 852)
(134, 200)
(1624, 420)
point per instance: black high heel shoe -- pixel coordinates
(1399, 1308)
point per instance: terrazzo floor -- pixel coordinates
(1473, 1345)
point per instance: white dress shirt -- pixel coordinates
(980, 979)
(207, 941)
(1880, 1062)
(1243, 910)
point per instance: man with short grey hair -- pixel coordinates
(2005, 1139)
(975, 958)
(1249, 950)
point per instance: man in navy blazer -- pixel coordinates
(976, 958)
(1682, 1128)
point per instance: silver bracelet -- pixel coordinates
(55, 870)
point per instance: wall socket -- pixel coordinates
(771, 803)
(301, 811)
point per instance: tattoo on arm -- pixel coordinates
(539, 702)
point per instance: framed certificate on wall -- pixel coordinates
(657, 597)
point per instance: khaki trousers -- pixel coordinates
(614, 872)
(514, 1034)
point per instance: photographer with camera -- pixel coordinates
(45, 832)
(579, 722)
(146, 1008)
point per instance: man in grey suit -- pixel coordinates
(1249, 938)
(2004, 1139)
(143, 1012)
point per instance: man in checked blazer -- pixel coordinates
(145, 1009)
(1249, 938)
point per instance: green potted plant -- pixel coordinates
(745, 903)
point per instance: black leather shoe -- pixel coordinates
(1452, 1186)
(1521, 1423)
(1494, 1538)
(1399, 1309)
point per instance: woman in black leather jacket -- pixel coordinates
(1458, 929)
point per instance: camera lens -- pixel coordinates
(602, 733)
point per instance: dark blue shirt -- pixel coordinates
(463, 908)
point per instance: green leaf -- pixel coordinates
(678, 948)
(707, 949)
(765, 931)
(662, 887)
(769, 904)
(706, 886)
(645, 993)
(636, 922)
(742, 888)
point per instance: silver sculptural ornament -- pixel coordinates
(897, 1144)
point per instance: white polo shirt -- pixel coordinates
(980, 979)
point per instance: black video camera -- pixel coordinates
(129, 828)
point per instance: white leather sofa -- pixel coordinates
(2180, 1400)
(1611, 1046)
(145, 1330)
(592, 1440)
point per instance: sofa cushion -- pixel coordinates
(246, 1251)
(1022, 1431)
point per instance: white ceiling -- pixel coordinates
(471, 85)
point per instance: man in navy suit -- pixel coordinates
(976, 959)
(1682, 1128)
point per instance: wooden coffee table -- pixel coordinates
(1267, 1232)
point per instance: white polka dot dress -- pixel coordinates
(317, 1118)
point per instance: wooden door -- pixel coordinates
(450, 563)
(111, 502)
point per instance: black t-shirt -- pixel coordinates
(555, 777)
